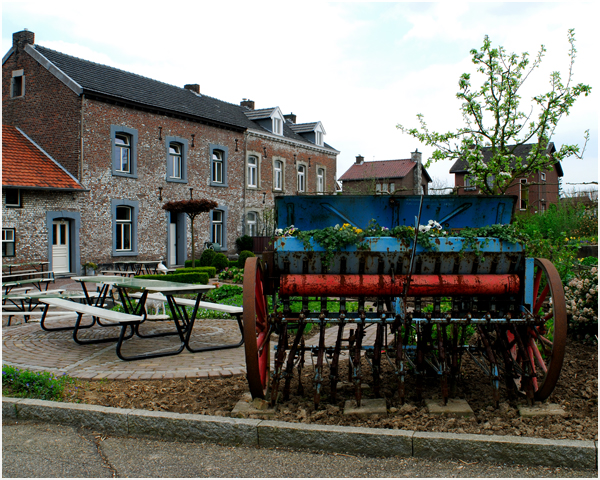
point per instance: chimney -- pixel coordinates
(360, 160)
(290, 118)
(20, 39)
(194, 87)
(416, 157)
(247, 103)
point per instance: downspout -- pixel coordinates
(81, 140)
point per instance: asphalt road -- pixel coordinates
(46, 450)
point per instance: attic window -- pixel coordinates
(277, 126)
(319, 138)
(17, 86)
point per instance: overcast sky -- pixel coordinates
(359, 68)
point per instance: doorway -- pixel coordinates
(60, 246)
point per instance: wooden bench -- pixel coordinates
(103, 313)
(29, 274)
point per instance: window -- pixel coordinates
(490, 181)
(124, 228)
(301, 178)
(8, 242)
(17, 85)
(124, 151)
(543, 176)
(217, 227)
(175, 160)
(177, 149)
(319, 138)
(124, 215)
(252, 172)
(392, 187)
(252, 224)
(278, 175)
(384, 188)
(277, 126)
(320, 180)
(378, 188)
(218, 165)
(523, 194)
(469, 184)
(123, 148)
(12, 197)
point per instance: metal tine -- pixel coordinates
(376, 366)
(333, 370)
(287, 374)
(301, 366)
(318, 379)
(279, 360)
(493, 365)
(356, 370)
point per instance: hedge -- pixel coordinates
(212, 271)
(191, 277)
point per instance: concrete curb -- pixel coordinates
(338, 439)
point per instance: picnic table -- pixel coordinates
(135, 310)
(35, 265)
(137, 266)
(27, 282)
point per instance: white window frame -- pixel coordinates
(277, 126)
(378, 188)
(319, 138)
(122, 148)
(252, 224)
(252, 171)
(301, 179)
(543, 176)
(124, 229)
(176, 160)
(278, 175)
(217, 167)
(9, 240)
(522, 181)
(320, 180)
(217, 226)
(392, 187)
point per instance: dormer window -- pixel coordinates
(319, 138)
(277, 126)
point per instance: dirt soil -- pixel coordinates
(576, 393)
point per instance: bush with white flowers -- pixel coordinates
(581, 295)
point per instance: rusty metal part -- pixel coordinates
(282, 345)
(487, 343)
(256, 328)
(289, 369)
(378, 285)
(333, 371)
(318, 378)
(356, 366)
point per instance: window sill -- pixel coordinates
(124, 253)
(177, 180)
(126, 175)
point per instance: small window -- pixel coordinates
(378, 188)
(278, 175)
(469, 184)
(523, 194)
(123, 149)
(124, 229)
(218, 165)
(301, 178)
(252, 172)
(384, 188)
(392, 187)
(12, 198)
(252, 224)
(175, 160)
(320, 180)
(277, 126)
(489, 181)
(543, 176)
(217, 227)
(8, 242)
(17, 87)
(319, 138)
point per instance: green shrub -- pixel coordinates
(220, 262)
(243, 256)
(206, 259)
(581, 296)
(192, 277)
(212, 271)
(188, 263)
(20, 382)
(244, 243)
(233, 263)
(223, 292)
(232, 273)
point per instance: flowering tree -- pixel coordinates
(192, 208)
(495, 120)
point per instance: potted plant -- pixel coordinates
(90, 268)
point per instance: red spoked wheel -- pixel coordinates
(256, 328)
(539, 349)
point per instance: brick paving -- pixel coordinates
(27, 345)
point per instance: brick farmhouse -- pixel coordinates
(125, 145)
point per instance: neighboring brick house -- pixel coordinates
(134, 143)
(535, 192)
(398, 177)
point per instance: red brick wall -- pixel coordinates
(49, 112)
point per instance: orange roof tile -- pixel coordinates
(26, 165)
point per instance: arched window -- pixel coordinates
(252, 172)
(123, 152)
(320, 180)
(278, 175)
(252, 224)
(217, 167)
(175, 160)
